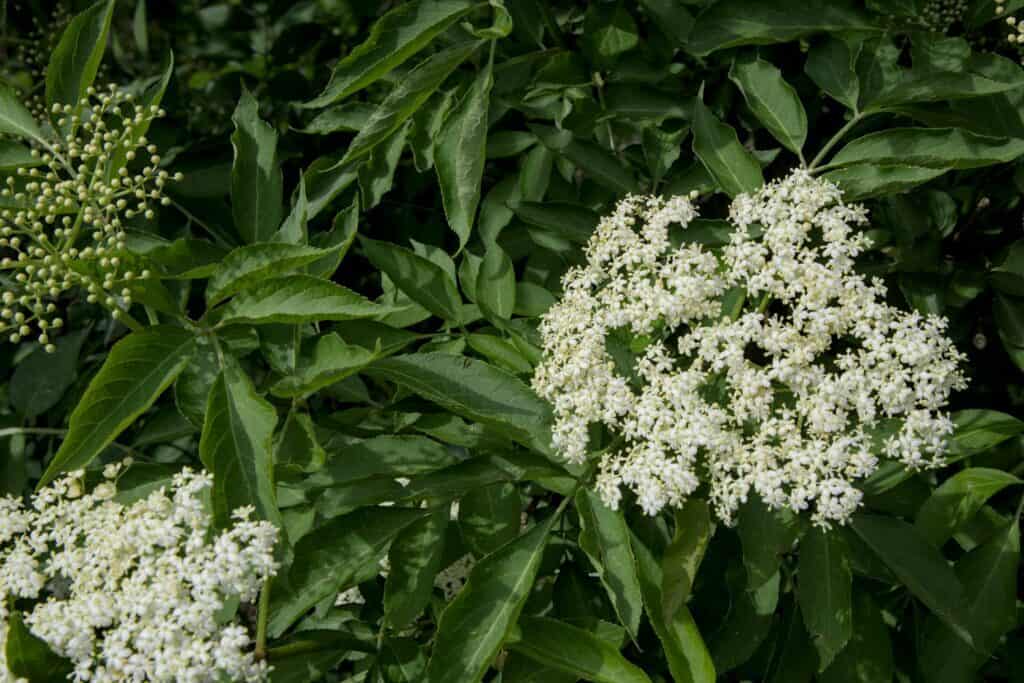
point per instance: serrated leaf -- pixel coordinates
(257, 185)
(236, 447)
(919, 567)
(382, 456)
(573, 650)
(249, 265)
(311, 654)
(415, 558)
(76, 59)
(406, 98)
(296, 299)
(773, 101)
(688, 658)
(419, 278)
(474, 390)
(862, 181)
(138, 369)
(490, 517)
(16, 120)
(683, 555)
(332, 360)
(867, 658)
(957, 500)
(737, 22)
(377, 173)
(989, 574)
(460, 154)
(604, 537)
(475, 624)
(831, 64)
(571, 221)
(334, 556)
(40, 380)
(825, 591)
(939, 148)
(719, 149)
(495, 286)
(394, 38)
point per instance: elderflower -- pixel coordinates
(782, 396)
(69, 231)
(135, 592)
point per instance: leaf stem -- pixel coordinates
(857, 118)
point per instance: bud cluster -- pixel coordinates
(67, 227)
(940, 15)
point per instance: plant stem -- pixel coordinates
(857, 118)
(261, 621)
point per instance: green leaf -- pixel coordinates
(334, 556)
(394, 38)
(296, 445)
(295, 228)
(773, 101)
(474, 390)
(683, 555)
(249, 265)
(475, 624)
(377, 173)
(957, 500)
(76, 59)
(738, 22)
(496, 283)
(422, 280)
(136, 372)
(337, 241)
(408, 95)
(573, 650)
(15, 119)
(672, 18)
(989, 573)
(490, 517)
(862, 181)
(310, 655)
(977, 431)
(867, 658)
(716, 145)
(918, 566)
(596, 162)
(688, 658)
(332, 360)
(14, 155)
(236, 447)
(296, 299)
(325, 179)
(825, 591)
(415, 559)
(30, 658)
(381, 456)
(40, 380)
(940, 148)
(257, 185)
(766, 535)
(831, 64)
(460, 154)
(604, 537)
(571, 221)
(608, 31)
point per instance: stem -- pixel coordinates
(857, 118)
(261, 621)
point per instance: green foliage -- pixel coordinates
(341, 322)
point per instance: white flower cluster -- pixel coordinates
(70, 229)
(135, 592)
(778, 397)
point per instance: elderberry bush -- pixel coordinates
(511, 341)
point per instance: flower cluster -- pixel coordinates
(135, 592)
(782, 396)
(32, 53)
(940, 15)
(69, 229)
